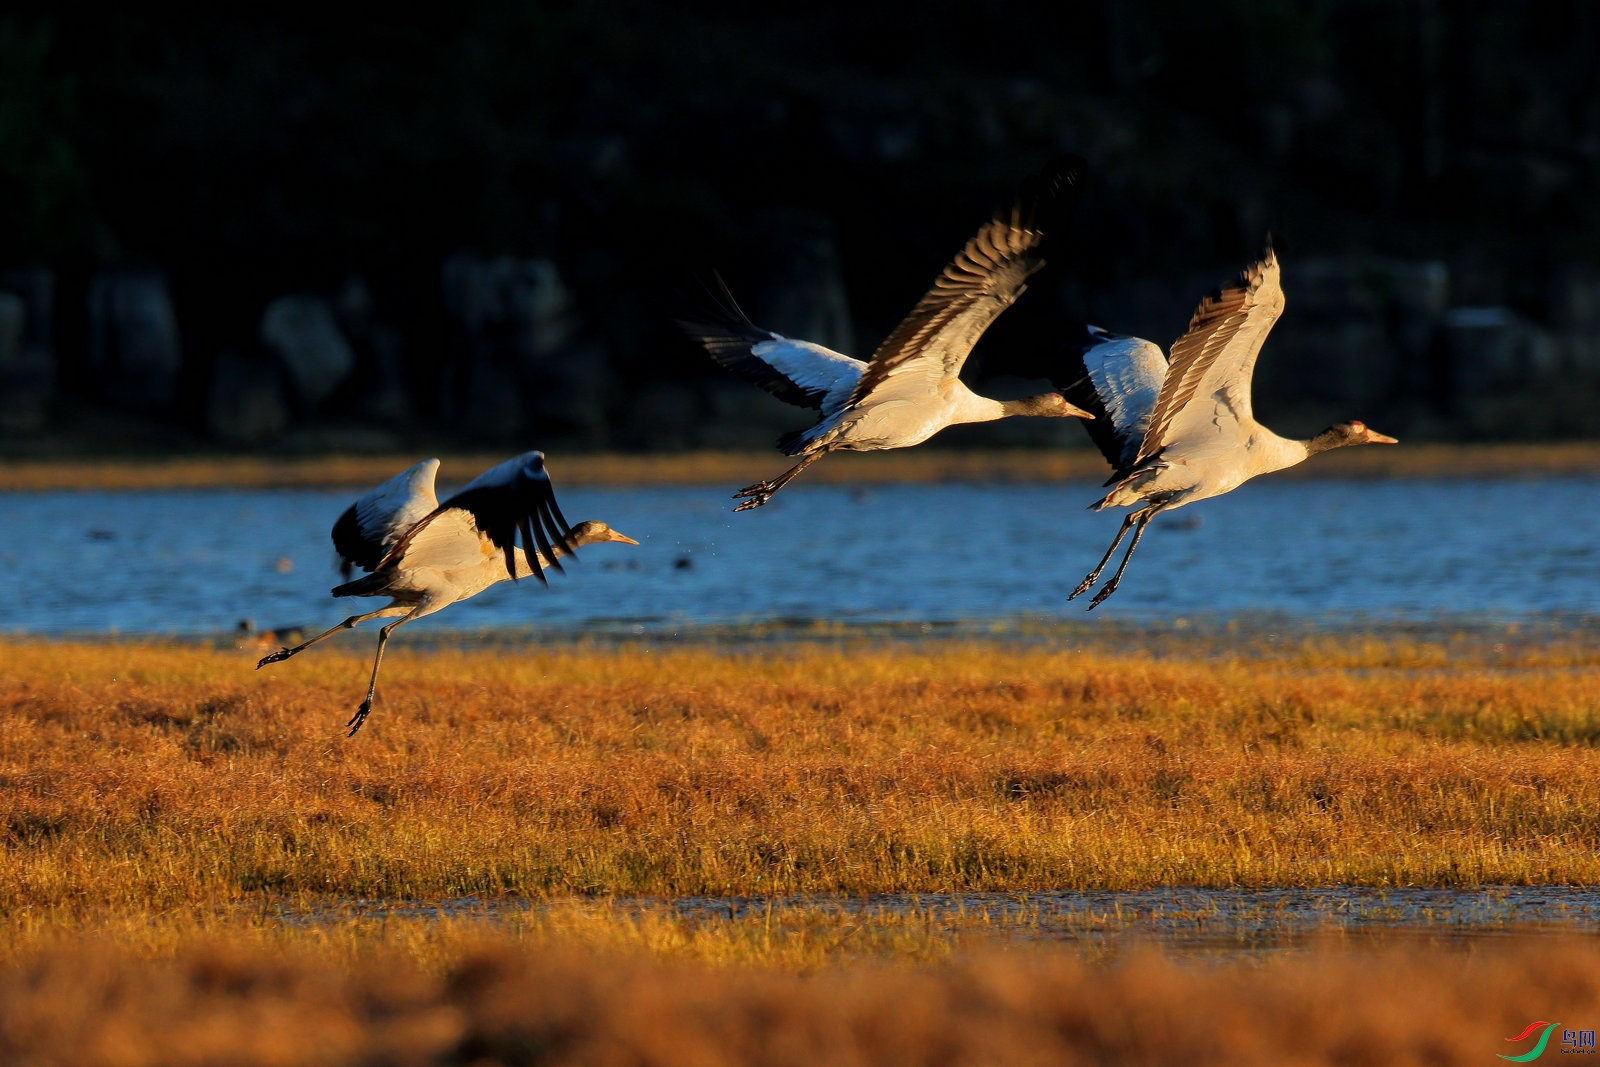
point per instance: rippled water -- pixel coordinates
(197, 562)
(1178, 919)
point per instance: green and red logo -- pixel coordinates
(1538, 1049)
(1580, 1042)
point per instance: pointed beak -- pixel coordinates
(1076, 412)
(620, 538)
(1376, 438)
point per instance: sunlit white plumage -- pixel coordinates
(1181, 430)
(1125, 374)
(425, 556)
(830, 376)
(911, 388)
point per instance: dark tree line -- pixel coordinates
(245, 156)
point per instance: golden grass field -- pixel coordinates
(739, 468)
(159, 776)
(188, 840)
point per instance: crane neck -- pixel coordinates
(970, 407)
(1269, 452)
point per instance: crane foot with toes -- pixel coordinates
(754, 495)
(1099, 598)
(359, 717)
(276, 657)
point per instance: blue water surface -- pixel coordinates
(1327, 551)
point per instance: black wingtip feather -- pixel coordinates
(534, 527)
(716, 320)
(792, 443)
(722, 296)
(534, 546)
(354, 550)
(561, 523)
(1047, 199)
(510, 549)
(1062, 174)
(558, 539)
(722, 328)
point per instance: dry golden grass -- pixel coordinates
(739, 468)
(184, 837)
(152, 777)
(498, 1004)
(788, 935)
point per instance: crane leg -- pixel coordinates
(1094, 575)
(354, 620)
(761, 492)
(377, 661)
(1116, 579)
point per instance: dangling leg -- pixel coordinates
(1111, 587)
(761, 492)
(1094, 575)
(284, 653)
(377, 661)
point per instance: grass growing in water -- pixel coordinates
(151, 777)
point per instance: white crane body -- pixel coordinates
(425, 556)
(910, 389)
(905, 412)
(1181, 430)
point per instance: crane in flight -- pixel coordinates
(425, 556)
(910, 389)
(1179, 429)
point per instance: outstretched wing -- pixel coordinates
(370, 526)
(796, 372)
(515, 496)
(1118, 379)
(1208, 378)
(984, 279)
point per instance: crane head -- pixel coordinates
(1363, 434)
(1049, 405)
(1353, 432)
(594, 531)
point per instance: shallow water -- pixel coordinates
(197, 562)
(1181, 920)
